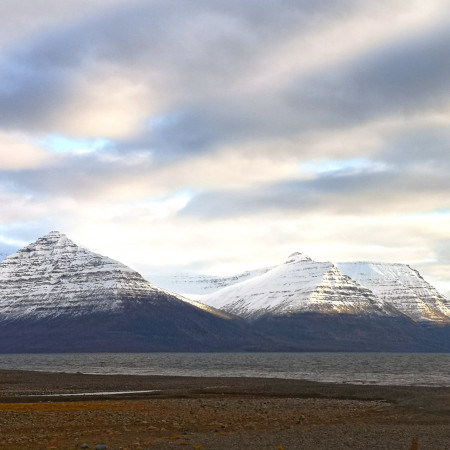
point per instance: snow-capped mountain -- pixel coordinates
(54, 276)
(401, 286)
(58, 296)
(193, 285)
(298, 285)
(313, 306)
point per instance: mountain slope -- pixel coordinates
(57, 296)
(54, 276)
(298, 285)
(403, 287)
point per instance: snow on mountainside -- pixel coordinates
(193, 285)
(53, 276)
(401, 286)
(298, 285)
(56, 296)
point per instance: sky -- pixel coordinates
(216, 136)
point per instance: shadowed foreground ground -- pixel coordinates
(217, 413)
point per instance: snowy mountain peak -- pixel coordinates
(53, 276)
(297, 257)
(403, 287)
(54, 233)
(53, 237)
(302, 285)
(52, 240)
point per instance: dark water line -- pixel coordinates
(355, 368)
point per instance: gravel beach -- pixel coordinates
(40, 410)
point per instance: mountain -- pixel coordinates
(399, 285)
(313, 306)
(403, 287)
(57, 296)
(298, 285)
(193, 285)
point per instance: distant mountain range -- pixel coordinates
(297, 286)
(56, 296)
(301, 284)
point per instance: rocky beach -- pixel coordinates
(68, 411)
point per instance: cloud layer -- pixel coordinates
(217, 135)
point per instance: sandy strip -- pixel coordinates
(93, 394)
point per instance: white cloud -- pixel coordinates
(18, 153)
(109, 102)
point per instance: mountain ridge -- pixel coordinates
(298, 285)
(425, 302)
(58, 296)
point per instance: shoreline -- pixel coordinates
(348, 368)
(22, 385)
(216, 412)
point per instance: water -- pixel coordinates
(355, 368)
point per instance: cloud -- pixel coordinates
(420, 144)
(144, 46)
(25, 20)
(82, 176)
(19, 208)
(230, 132)
(357, 192)
(17, 153)
(196, 64)
(401, 77)
(380, 83)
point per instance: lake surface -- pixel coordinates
(356, 368)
